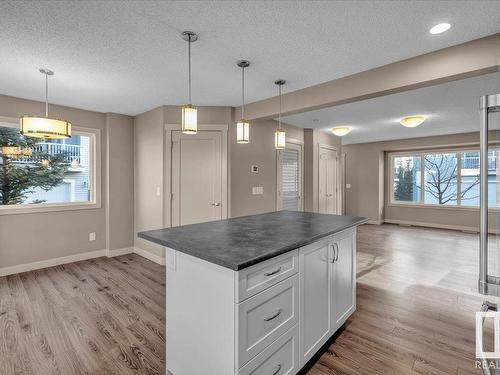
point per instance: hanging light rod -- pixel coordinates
(243, 126)
(279, 135)
(189, 113)
(45, 127)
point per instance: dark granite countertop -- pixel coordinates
(244, 241)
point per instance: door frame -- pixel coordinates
(331, 148)
(167, 181)
(297, 143)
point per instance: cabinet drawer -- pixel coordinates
(265, 317)
(280, 358)
(255, 279)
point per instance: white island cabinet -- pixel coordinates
(266, 319)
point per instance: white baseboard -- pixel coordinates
(437, 225)
(118, 252)
(19, 268)
(149, 255)
(51, 262)
(375, 222)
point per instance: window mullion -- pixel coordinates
(422, 179)
(459, 178)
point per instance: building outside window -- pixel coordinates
(42, 172)
(447, 178)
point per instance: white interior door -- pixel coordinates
(327, 189)
(197, 185)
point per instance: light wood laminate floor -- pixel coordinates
(415, 312)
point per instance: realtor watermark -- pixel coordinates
(487, 359)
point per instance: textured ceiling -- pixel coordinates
(127, 57)
(450, 108)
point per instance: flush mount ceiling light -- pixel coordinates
(242, 126)
(412, 121)
(440, 28)
(279, 135)
(189, 113)
(45, 127)
(340, 131)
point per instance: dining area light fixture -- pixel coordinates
(243, 126)
(45, 127)
(412, 121)
(189, 112)
(340, 131)
(279, 135)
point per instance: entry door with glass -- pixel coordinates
(197, 186)
(289, 192)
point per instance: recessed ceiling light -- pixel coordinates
(440, 28)
(412, 121)
(340, 131)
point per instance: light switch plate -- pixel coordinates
(347, 186)
(92, 236)
(257, 190)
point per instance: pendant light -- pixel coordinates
(242, 126)
(45, 127)
(189, 113)
(279, 135)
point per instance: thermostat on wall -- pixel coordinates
(254, 168)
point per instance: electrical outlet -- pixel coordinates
(254, 169)
(92, 236)
(347, 186)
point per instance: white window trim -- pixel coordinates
(94, 178)
(299, 146)
(420, 204)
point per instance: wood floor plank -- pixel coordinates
(416, 304)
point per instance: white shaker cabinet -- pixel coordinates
(327, 293)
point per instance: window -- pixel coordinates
(290, 180)
(36, 174)
(449, 178)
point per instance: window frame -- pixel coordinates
(94, 177)
(298, 145)
(421, 153)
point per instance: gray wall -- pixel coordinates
(368, 196)
(26, 238)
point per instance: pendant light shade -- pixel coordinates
(45, 127)
(189, 113)
(279, 139)
(242, 126)
(189, 119)
(279, 135)
(242, 132)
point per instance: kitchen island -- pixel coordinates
(257, 294)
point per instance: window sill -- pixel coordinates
(43, 208)
(439, 207)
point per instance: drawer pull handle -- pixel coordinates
(273, 317)
(278, 370)
(273, 272)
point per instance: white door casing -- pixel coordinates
(196, 182)
(327, 180)
(294, 145)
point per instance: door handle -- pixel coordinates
(278, 369)
(332, 259)
(216, 204)
(273, 272)
(273, 317)
(337, 247)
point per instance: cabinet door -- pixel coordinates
(315, 297)
(344, 278)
